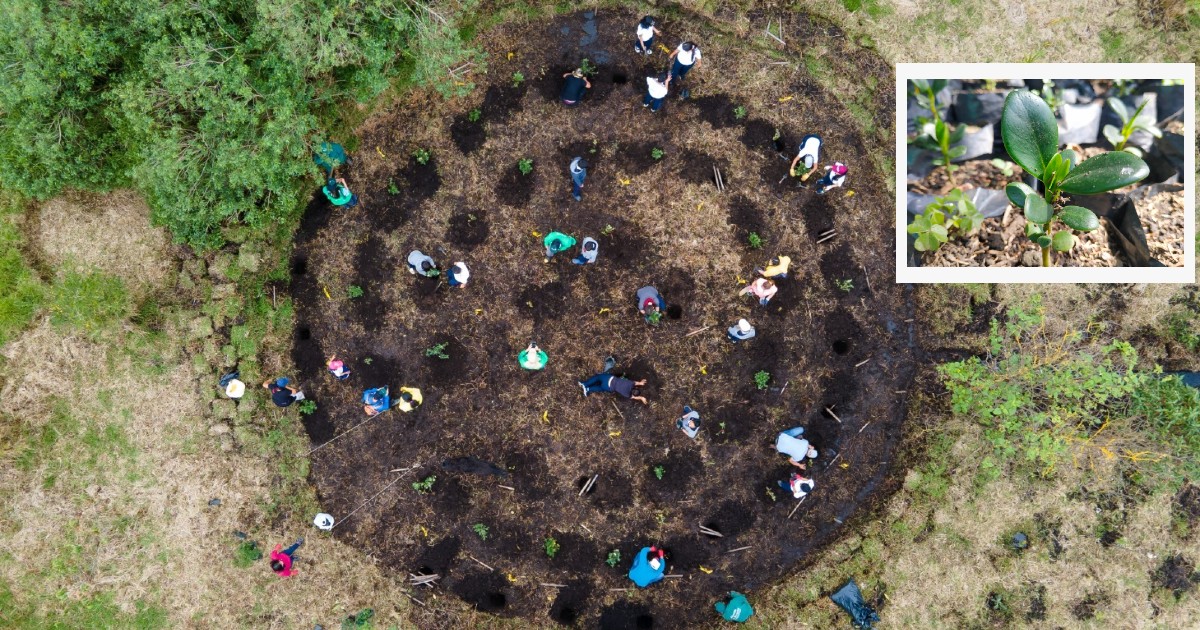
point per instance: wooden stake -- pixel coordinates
(553, 585)
(835, 458)
(829, 410)
(862, 362)
(507, 487)
(480, 562)
(738, 549)
(829, 236)
(785, 384)
(867, 277)
(614, 404)
(697, 332)
(797, 506)
(864, 426)
(588, 486)
(674, 575)
(710, 532)
(414, 599)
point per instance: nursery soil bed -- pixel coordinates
(661, 223)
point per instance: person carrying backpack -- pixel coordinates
(737, 608)
(656, 91)
(556, 242)
(649, 566)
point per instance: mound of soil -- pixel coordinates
(1176, 574)
(537, 426)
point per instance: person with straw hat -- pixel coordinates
(740, 331)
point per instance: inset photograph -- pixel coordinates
(1022, 179)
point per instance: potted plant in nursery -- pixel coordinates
(1030, 134)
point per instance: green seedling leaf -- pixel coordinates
(1032, 230)
(1133, 150)
(1064, 167)
(1071, 157)
(1063, 241)
(1113, 135)
(1029, 131)
(1150, 129)
(1042, 240)
(1052, 169)
(1036, 209)
(937, 85)
(1105, 172)
(1078, 218)
(1118, 108)
(957, 151)
(1017, 192)
(958, 134)
(921, 84)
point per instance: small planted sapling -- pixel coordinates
(551, 546)
(658, 472)
(308, 407)
(614, 557)
(421, 156)
(481, 530)
(474, 115)
(1030, 135)
(1129, 124)
(657, 153)
(354, 291)
(518, 78)
(525, 165)
(587, 67)
(952, 212)
(845, 285)
(761, 378)
(936, 135)
(755, 241)
(438, 350)
(739, 112)
(392, 188)
(1004, 166)
(424, 486)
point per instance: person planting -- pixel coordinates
(684, 58)
(282, 394)
(337, 368)
(776, 269)
(737, 608)
(410, 399)
(689, 422)
(763, 288)
(587, 252)
(795, 447)
(810, 153)
(650, 303)
(533, 358)
(657, 88)
(376, 401)
(649, 566)
(281, 561)
(556, 242)
(575, 86)
(798, 485)
(644, 45)
(459, 274)
(605, 382)
(740, 331)
(419, 263)
(835, 177)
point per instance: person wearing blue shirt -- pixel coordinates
(649, 566)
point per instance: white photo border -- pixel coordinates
(1180, 275)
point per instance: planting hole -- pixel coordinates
(497, 600)
(583, 482)
(300, 267)
(713, 525)
(619, 78)
(644, 622)
(841, 346)
(568, 615)
(674, 311)
(425, 570)
(304, 334)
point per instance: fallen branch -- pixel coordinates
(697, 332)
(829, 410)
(738, 549)
(864, 426)
(480, 562)
(797, 507)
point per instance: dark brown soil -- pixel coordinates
(716, 110)
(1085, 609)
(1176, 574)
(468, 136)
(537, 425)
(1187, 504)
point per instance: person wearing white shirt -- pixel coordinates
(656, 91)
(686, 56)
(645, 36)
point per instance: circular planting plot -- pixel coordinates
(526, 482)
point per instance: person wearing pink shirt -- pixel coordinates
(763, 288)
(281, 561)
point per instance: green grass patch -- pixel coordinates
(97, 611)
(72, 453)
(89, 302)
(22, 293)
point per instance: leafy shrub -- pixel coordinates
(1030, 134)
(354, 291)
(474, 115)
(739, 112)
(246, 554)
(954, 211)
(424, 486)
(438, 350)
(587, 67)
(308, 407)
(481, 530)
(614, 557)
(1184, 327)
(517, 78)
(657, 153)
(754, 240)
(761, 378)
(658, 472)
(551, 546)
(525, 165)
(22, 294)
(422, 156)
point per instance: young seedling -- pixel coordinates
(551, 546)
(518, 78)
(525, 165)
(481, 530)
(657, 153)
(608, 229)
(308, 407)
(421, 156)
(587, 67)
(936, 134)
(845, 285)
(771, 494)
(952, 212)
(1052, 96)
(658, 472)
(1004, 166)
(614, 558)
(755, 241)
(661, 517)
(1030, 134)
(354, 291)
(438, 350)
(424, 486)
(368, 360)
(761, 378)
(655, 317)
(392, 188)
(474, 115)
(1119, 138)
(739, 112)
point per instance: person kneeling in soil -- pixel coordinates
(337, 368)
(835, 177)
(649, 566)
(689, 422)
(810, 153)
(410, 399)
(459, 274)
(587, 252)
(339, 193)
(795, 447)
(650, 303)
(556, 242)
(376, 401)
(574, 88)
(763, 288)
(740, 331)
(281, 561)
(736, 609)
(777, 269)
(282, 394)
(533, 358)
(798, 485)
(420, 263)
(608, 383)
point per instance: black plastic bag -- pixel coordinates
(979, 109)
(1169, 101)
(851, 601)
(1165, 158)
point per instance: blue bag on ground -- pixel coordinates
(851, 600)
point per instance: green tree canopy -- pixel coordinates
(209, 107)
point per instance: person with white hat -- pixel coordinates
(459, 274)
(235, 389)
(324, 521)
(810, 153)
(587, 252)
(740, 331)
(795, 447)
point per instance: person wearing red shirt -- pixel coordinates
(281, 561)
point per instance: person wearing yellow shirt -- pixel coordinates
(410, 398)
(777, 268)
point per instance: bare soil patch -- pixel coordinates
(659, 222)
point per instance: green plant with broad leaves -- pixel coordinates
(551, 546)
(525, 165)
(1053, 97)
(518, 78)
(587, 67)
(474, 115)
(1004, 166)
(1119, 137)
(614, 557)
(657, 153)
(739, 112)
(481, 530)
(935, 134)
(952, 212)
(754, 240)
(424, 486)
(421, 155)
(1030, 134)
(658, 472)
(308, 407)
(761, 378)
(655, 317)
